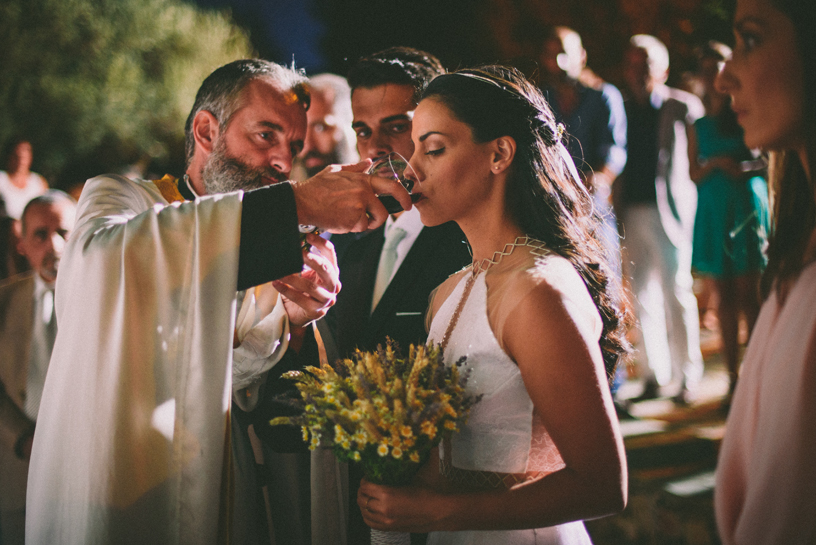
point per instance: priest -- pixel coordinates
(133, 439)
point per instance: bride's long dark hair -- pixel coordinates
(544, 195)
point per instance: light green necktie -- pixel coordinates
(388, 258)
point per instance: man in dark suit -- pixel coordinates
(390, 272)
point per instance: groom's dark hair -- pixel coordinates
(396, 65)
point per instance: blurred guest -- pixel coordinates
(329, 137)
(27, 329)
(11, 262)
(766, 476)
(593, 113)
(595, 118)
(656, 202)
(732, 222)
(389, 273)
(18, 184)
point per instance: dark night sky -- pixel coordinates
(327, 35)
(281, 29)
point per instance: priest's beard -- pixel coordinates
(223, 174)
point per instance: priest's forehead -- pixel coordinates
(264, 103)
(287, 95)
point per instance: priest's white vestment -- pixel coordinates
(131, 440)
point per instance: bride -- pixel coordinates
(536, 315)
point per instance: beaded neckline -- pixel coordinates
(538, 249)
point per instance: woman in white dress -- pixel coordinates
(536, 316)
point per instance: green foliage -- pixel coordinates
(106, 81)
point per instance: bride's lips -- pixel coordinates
(417, 197)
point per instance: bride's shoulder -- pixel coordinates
(554, 272)
(551, 278)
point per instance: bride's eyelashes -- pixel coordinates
(435, 151)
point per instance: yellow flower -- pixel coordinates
(451, 425)
(414, 457)
(396, 452)
(409, 442)
(305, 433)
(382, 450)
(346, 444)
(429, 429)
(356, 456)
(406, 431)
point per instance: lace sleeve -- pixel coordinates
(509, 288)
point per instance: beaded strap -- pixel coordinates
(538, 249)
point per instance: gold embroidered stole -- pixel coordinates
(168, 187)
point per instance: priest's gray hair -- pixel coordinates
(219, 92)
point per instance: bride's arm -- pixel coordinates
(561, 365)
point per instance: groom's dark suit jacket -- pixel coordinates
(437, 253)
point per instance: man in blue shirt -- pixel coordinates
(595, 119)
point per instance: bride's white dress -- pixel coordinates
(502, 434)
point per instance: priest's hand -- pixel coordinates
(343, 198)
(307, 296)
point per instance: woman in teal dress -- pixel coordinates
(731, 226)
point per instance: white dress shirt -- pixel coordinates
(409, 222)
(43, 333)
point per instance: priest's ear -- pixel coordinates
(205, 130)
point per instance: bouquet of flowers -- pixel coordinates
(382, 410)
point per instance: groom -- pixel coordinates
(389, 273)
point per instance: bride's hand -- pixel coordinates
(405, 508)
